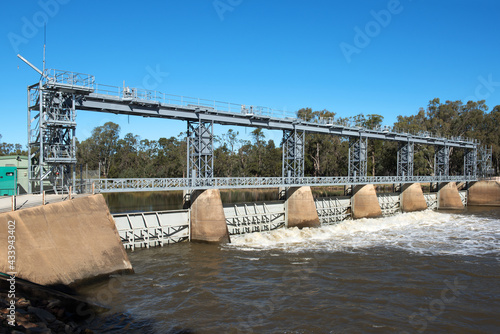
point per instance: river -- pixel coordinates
(424, 272)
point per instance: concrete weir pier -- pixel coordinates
(364, 202)
(448, 197)
(484, 193)
(412, 198)
(301, 208)
(208, 223)
(63, 243)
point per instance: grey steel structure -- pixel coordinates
(52, 105)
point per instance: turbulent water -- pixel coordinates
(429, 272)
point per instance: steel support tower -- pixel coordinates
(442, 161)
(358, 151)
(293, 153)
(470, 162)
(51, 129)
(405, 158)
(200, 149)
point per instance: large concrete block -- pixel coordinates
(486, 193)
(412, 198)
(208, 222)
(64, 243)
(364, 202)
(448, 197)
(301, 208)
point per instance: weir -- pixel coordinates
(94, 244)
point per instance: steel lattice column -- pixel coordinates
(405, 158)
(484, 162)
(470, 162)
(51, 138)
(293, 153)
(200, 140)
(358, 150)
(442, 161)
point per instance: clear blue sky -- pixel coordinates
(280, 54)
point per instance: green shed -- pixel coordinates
(21, 163)
(8, 181)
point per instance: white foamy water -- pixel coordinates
(428, 232)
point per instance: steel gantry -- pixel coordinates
(54, 100)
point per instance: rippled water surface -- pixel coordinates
(429, 272)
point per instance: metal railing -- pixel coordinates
(61, 77)
(160, 184)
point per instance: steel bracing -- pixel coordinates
(470, 162)
(442, 160)
(53, 102)
(51, 129)
(200, 139)
(293, 154)
(358, 152)
(405, 158)
(484, 161)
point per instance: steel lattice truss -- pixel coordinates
(200, 138)
(442, 161)
(51, 142)
(470, 162)
(405, 158)
(358, 151)
(293, 153)
(484, 161)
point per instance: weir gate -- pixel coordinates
(154, 229)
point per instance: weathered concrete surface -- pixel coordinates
(64, 243)
(301, 209)
(412, 198)
(364, 202)
(486, 193)
(208, 223)
(448, 197)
